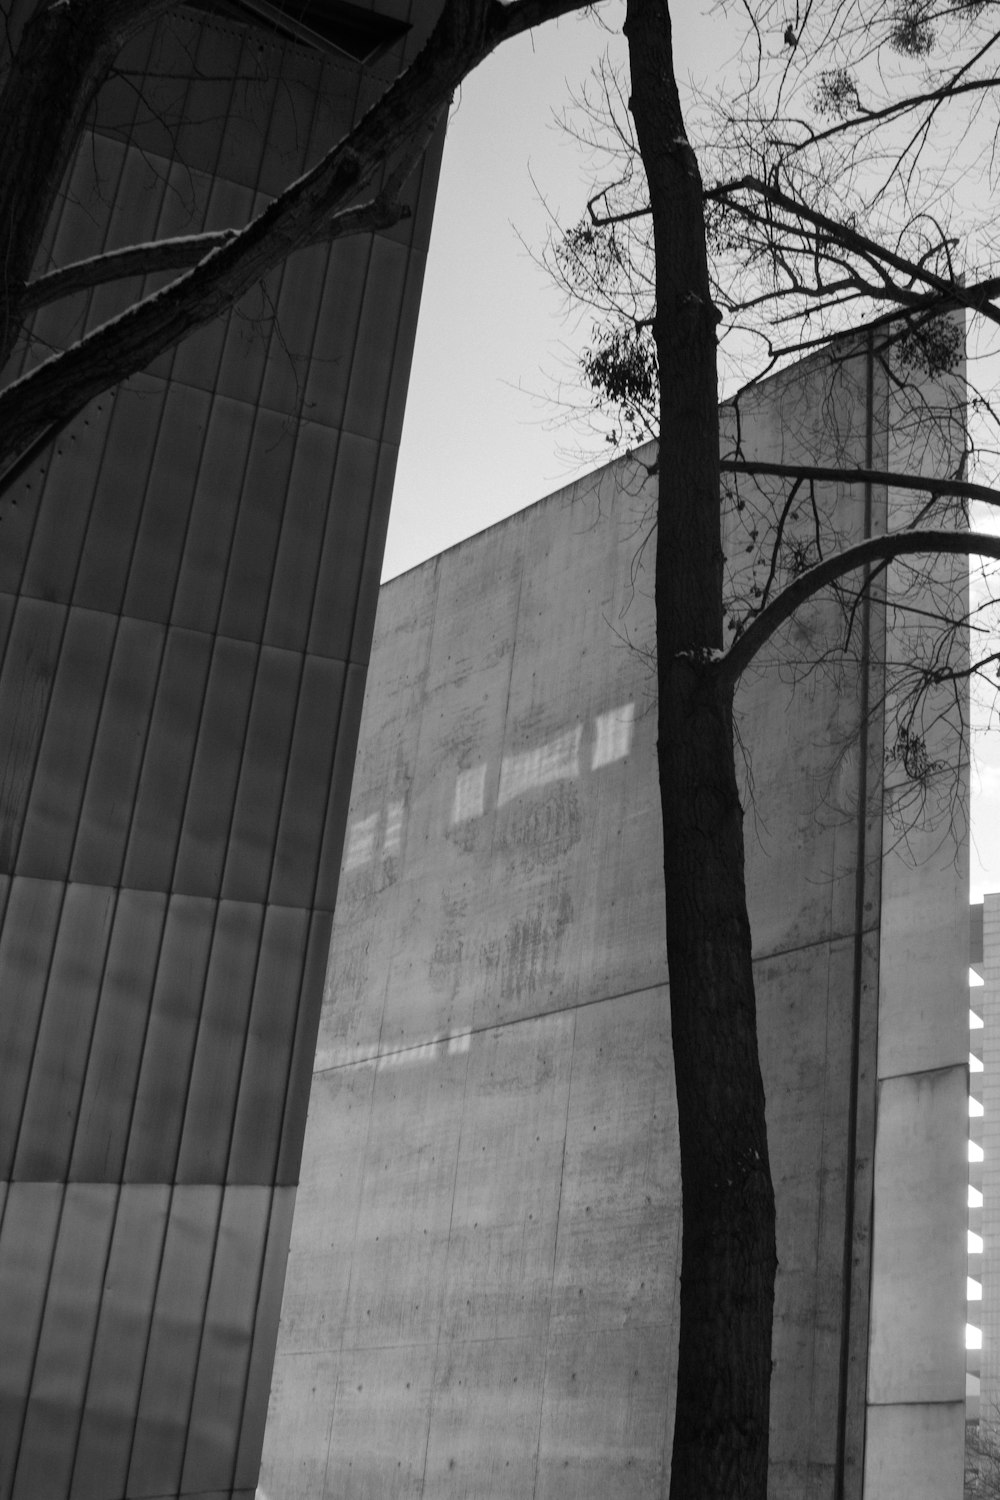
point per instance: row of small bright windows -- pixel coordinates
(974, 1289)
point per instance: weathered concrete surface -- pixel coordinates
(482, 1289)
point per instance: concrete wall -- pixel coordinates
(187, 592)
(481, 1296)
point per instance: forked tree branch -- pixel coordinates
(187, 250)
(952, 88)
(116, 265)
(977, 298)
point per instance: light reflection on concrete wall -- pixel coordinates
(380, 834)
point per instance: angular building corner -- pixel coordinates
(187, 589)
(481, 1295)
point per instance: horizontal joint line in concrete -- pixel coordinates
(920, 1072)
(847, 936)
(493, 1026)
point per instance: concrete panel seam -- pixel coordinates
(962, 1067)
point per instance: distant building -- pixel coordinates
(984, 1169)
(187, 589)
(481, 1295)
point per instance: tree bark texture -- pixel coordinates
(728, 1255)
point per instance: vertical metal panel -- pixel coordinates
(370, 570)
(48, 1121)
(340, 789)
(199, 134)
(183, 211)
(6, 886)
(262, 776)
(79, 233)
(292, 111)
(64, 756)
(114, 516)
(25, 495)
(26, 943)
(106, 1103)
(8, 604)
(242, 146)
(160, 102)
(166, 769)
(25, 682)
(156, 558)
(251, 562)
(297, 562)
(224, 1358)
(208, 811)
(134, 212)
(296, 315)
(158, 1116)
(71, 467)
(196, 362)
(174, 1340)
(337, 325)
(424, 181)
(304, 1050)
(218, 1055)
(109, 798)
(248, 330)
(118, 100)
(213, 516)
(101, 1467)
(48, 1441)
(300, 832)
(133, 219)
(264, 1073)
(376, 341)
(399, 372)
(27, 1242)
(347, 525)
(258, 1383)
(338, 96)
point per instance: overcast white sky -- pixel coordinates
(482, 436)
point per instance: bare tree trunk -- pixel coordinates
(728, 1257)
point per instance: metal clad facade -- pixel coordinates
(187, 589)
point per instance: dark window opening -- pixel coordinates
(325, 24)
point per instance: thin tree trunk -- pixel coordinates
(728, 1256)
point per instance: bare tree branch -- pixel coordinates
(135, 260)
(846, 237)
(962, 489)
(836, 566)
